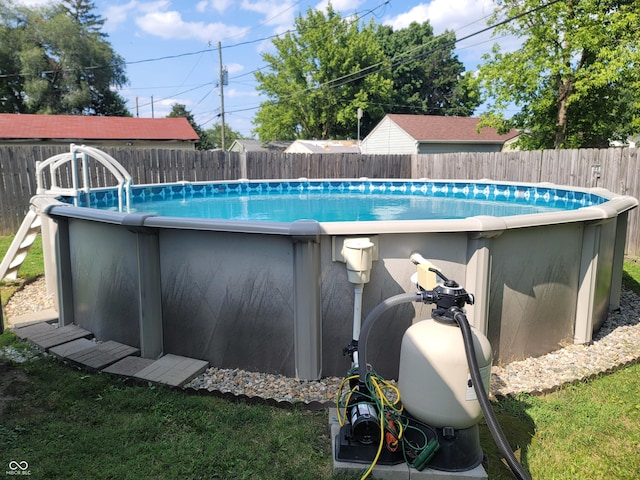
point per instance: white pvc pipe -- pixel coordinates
(417, 259)
(357, 316)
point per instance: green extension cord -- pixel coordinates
(426, 455)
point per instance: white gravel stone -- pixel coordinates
(616, 344)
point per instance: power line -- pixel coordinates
(179, 93)
(380, 66)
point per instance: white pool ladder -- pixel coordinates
(20, 246)
(53, 163)
(30, 226)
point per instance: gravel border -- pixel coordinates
(615, 345)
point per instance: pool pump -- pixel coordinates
(431, 417)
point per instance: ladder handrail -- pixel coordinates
(123, 177)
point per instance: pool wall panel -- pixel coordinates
(228, 299)
(606, 253)
(534, 280)
(104, 277)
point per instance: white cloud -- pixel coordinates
(202, 6)
(446, 14)
(35, 3)
(278, 13)
(149, 7)
(339, 5)
(115, 15)
(463, 17)
(234, 68)
(219, 6)
(171, 25)
(235, 93)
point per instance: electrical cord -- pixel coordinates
(393, 425)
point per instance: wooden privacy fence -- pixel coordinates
(615, 169)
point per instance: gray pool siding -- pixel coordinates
(276, 298)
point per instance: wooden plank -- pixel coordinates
(72, 347)
(46, 336)
(128, 366)
(102, 355)
(173, 370)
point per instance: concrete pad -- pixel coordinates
(128, 366)
(173, 370)
(49, 316)
(72, 347)
(396, 472)
(477, 473)
(383, 472)
(102, 355)
(46, 336)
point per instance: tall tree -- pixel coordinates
(576, 77)
(11, 82)
(82, 13)
(64, 64)
(178, 110)
(428, 78)
(319, 77)
(212, 137)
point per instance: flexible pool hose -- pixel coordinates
(371, 319)
(463, 323)
(485, 405)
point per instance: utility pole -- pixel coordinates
(223, 81)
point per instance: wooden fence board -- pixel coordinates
(619, 171)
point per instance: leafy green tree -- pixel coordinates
(82, 12)
(11, 82)
(209, 139)
(576, 77)
(59, 62)
(213, 137)
(428, 78)
(319, 77)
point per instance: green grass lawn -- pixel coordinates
(32, 267)
(70, 424)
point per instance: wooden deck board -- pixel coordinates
(102, 355)
(173, 370)
(72, 343)
(46, 336)
(128, 366)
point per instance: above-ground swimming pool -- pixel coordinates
(254, 276)
(343, 201)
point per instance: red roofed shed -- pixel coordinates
(29, 129)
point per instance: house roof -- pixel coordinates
(81, 127)
(325, 146)
(435, 128)
(250, 145)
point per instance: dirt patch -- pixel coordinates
(13, 384)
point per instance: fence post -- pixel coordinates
(243, 164)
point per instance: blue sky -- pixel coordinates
(171, 46)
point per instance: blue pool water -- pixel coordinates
(342, 201)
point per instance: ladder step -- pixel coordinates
(30, 238)
(20, 246)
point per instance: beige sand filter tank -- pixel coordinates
(434, 375)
